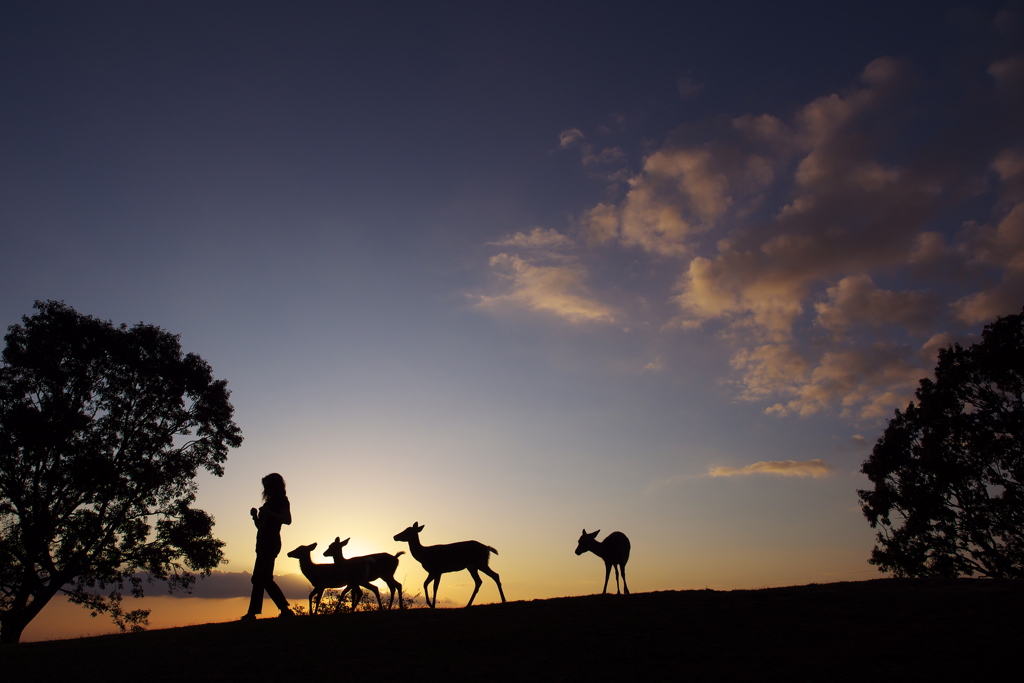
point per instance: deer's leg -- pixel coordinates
(426, 588)
(393, 586)
(341, 598)
(437, 582)
(376, 594)
(477, 581)
(497, 579)
(616, 568)
(625, 588)
(397, 586)
(607, 571)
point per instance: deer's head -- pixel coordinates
(334, 549)
(587, 541)
(302, 551)
(411, 533)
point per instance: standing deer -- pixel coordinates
(352, 573)
(451, 557)
(382, 566)
(614, 550)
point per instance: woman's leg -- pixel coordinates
(277, 595)
(263, 580)
(262, 577)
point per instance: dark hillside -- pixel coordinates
(882, 630)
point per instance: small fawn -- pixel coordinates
(382, 566)
(352, 573)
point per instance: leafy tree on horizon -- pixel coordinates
(948, 471)
(103, 430)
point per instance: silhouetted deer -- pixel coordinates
(614, 550)
(382, 566)
(451, 557)
(352, 573)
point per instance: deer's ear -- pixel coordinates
(313, 547)
(596, 533)
(337, 539)
(584, 532)
(345, 542)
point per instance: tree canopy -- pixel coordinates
(103, 430)
(948, 471)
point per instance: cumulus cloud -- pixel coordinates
(785, 468)
(833, 249)
(856, 300)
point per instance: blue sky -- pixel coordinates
(511, 271)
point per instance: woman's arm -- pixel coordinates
(281, 516)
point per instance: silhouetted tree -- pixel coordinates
(102, 432)
(948, 470)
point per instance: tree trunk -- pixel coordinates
(11, 627)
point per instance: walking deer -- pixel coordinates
(451, 557)
(382, 566)
(352, 573)
(614, 550)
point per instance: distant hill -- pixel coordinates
(880, 630)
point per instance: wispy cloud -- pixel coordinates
(558, 290)
(538, 238)
(784, 468)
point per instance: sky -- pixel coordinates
(515, 270)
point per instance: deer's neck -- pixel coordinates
(417, 549)
(598, 549)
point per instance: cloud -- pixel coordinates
(856, 300)
(785, 468)
(656, 365)
(221, 584)
(688, 88)
(606, 163)
(569, 138)
(538, 238)
(558, 290)
(832, 249)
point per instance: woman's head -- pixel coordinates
(273, 486)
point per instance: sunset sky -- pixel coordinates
(512, 270)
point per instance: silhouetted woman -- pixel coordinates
(268, 520)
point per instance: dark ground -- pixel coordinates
(882, 630)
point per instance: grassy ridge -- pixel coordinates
(882, 630)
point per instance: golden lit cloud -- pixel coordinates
(558, 290)
(856, 300)
(823, 258)
(785, 468)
